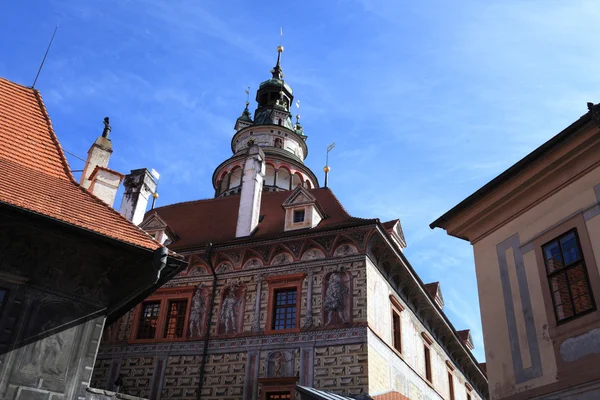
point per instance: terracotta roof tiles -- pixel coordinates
(35, 176)
(214, 220)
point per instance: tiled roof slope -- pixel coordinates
(198, 222)
(34, 174)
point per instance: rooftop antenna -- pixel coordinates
(327, 169)
(44, 59)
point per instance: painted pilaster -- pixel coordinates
(308, 321)
(307, 362)
(252, 369)
(256, 318)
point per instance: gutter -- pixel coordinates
(209, 322)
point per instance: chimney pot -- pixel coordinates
(250, 198)
(139, 186)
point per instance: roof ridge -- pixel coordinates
(53, 136)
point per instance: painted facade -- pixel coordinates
(535, 232)
(283, 288)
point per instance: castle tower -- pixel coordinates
(283, 143)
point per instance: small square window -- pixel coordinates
(298, 216)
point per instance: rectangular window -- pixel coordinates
(175, 319)
(567, 277)
(427, 363)
(298, 216)
(396, 331)
(148, 320)
(278, 396)
(284, 309)
(451, 385)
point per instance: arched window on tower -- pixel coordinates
(307, 184)
(236, 178)
(296, 180)
(279, 143)
(224, 180)
(269, 175)
(283, 179)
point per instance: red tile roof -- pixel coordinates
(198, 222)
(35, 176)
(432, 289)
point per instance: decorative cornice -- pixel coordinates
(315, 338)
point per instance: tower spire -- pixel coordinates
(276, 71)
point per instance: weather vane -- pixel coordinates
(247, 96)
(298, 112)
(327, 168)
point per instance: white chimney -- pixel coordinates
(252, 181)
(139, 186)
(105, 183)
(98, 155)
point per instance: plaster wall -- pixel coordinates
(265, 137)
(519, 346)
(405, 372)
(105, 186)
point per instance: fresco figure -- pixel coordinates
(197, 312)
(229, 312)
(334, 298)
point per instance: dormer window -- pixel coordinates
(299, 216)
(301, 210)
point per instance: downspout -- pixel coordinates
(209, 323)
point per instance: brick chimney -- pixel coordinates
(98, 155)
(139, 186)
(105, 183)
(252, 181)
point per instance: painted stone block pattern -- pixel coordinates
(341, 369)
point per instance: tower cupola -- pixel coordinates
(272, 130)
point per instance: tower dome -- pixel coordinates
(283, 143)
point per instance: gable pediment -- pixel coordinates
(299, 196)
(153, 222)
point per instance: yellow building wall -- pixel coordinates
(575, 198)
(403, 373)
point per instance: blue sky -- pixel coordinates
(427, 101)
